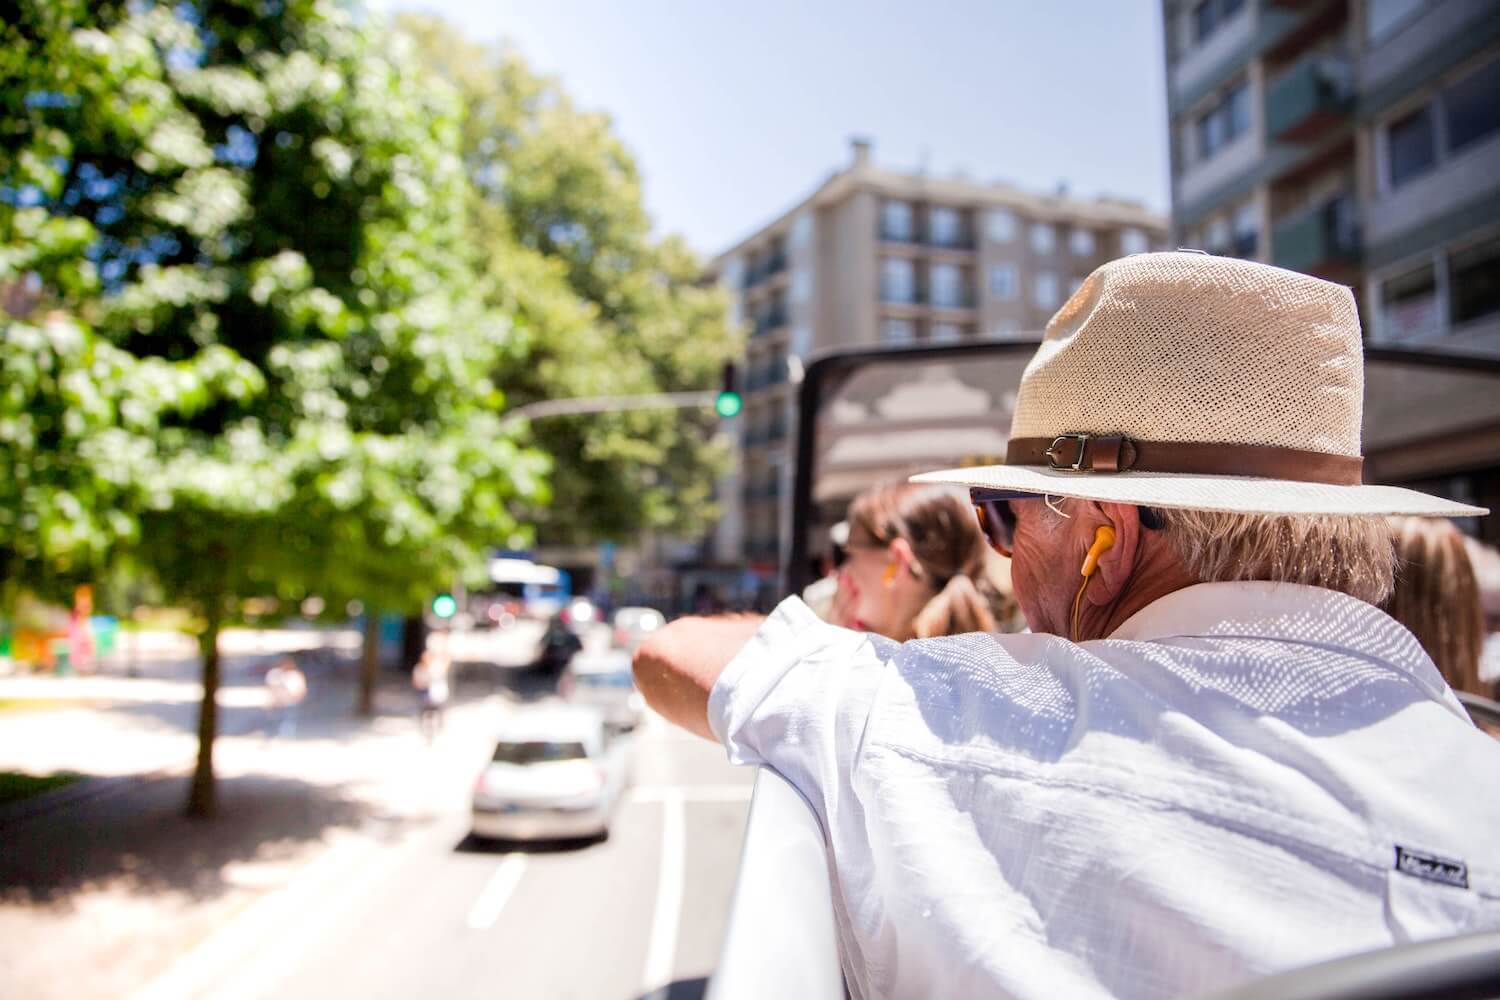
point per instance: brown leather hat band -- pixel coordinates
(1117, 453)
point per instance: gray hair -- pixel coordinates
(1349, 553)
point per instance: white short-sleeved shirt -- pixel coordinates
(1244, 778)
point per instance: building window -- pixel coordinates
(801, 286)
(1246, 231)
(1043, 238)
(897, 280)
(1211, 15)
(1474, 283)
(1218, 236)
(1471, 107)
(1409, 304)
(895, 221)
(1132, 241)
(802, 228)
(1046, 290)
(898, 331)
(1003, 281)
(1457, 116)
(945, 226)
(1082, 242)
(947, 333)
(948, 286)
(1225, 121)
(1001, 224)
(1411, 146)
(1005, 329)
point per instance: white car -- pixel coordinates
(603, 681)
(633, 625)
(553, 775)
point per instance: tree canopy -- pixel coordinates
(603, 306)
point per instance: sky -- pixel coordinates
(736, 111)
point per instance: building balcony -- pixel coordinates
(1401, 222)
(959, 243)
(766, 376)
(769, 321)
(764, 270)
(1309, 97)
(963, 300)
(1315, 240)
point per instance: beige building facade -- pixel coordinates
(876, 257)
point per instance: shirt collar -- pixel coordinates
(1288, 612)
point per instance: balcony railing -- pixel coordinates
(964, 241)
(963, 300)
(764, 270)
(769, 320)
(1309, 97)
(1323, 236)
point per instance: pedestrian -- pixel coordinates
(918, 566)
(286, 687)
(430, 678)
(1436, 596)
(1214, 758)
(81, 646)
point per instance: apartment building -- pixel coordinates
(879, 257)
(1358, 140)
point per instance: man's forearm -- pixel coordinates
(677, 666)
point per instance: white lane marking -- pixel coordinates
(691, 793)
(661, 953)
(496, 892)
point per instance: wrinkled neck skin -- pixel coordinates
(1156, 573)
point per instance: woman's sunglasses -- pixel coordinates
(996, 520)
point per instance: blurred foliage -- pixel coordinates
(601, 306)
(243, 343)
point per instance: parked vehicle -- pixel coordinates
(554, 775)
(603, 681)
(633, 625)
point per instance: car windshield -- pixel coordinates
(537, 752)
(621, 679)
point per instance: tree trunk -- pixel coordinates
(201, 798)
(369, 663)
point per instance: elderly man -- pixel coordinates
(1214, 758)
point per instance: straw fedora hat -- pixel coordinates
(1191, 381)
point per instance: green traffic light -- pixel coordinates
(444, 606)
(728, 404)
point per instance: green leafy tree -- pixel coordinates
(602, 306)
(277, 209)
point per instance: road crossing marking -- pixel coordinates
(661, 953)
(496, 892)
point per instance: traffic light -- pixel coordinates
(729, 403)
(444, 606)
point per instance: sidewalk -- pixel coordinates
(105, 891)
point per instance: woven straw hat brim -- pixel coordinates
(1241, 494)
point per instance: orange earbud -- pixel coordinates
(889, 576)
(1104, 540)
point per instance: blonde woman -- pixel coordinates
(1436, 596)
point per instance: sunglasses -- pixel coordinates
(996, 520)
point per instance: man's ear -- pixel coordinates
(1116, 562)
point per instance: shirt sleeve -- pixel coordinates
(797, 698)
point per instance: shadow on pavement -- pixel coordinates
(139, 839)
(489, 845)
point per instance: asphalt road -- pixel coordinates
(435, 912)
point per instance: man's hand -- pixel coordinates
(676, 667)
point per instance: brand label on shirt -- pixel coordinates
(1432, 868)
